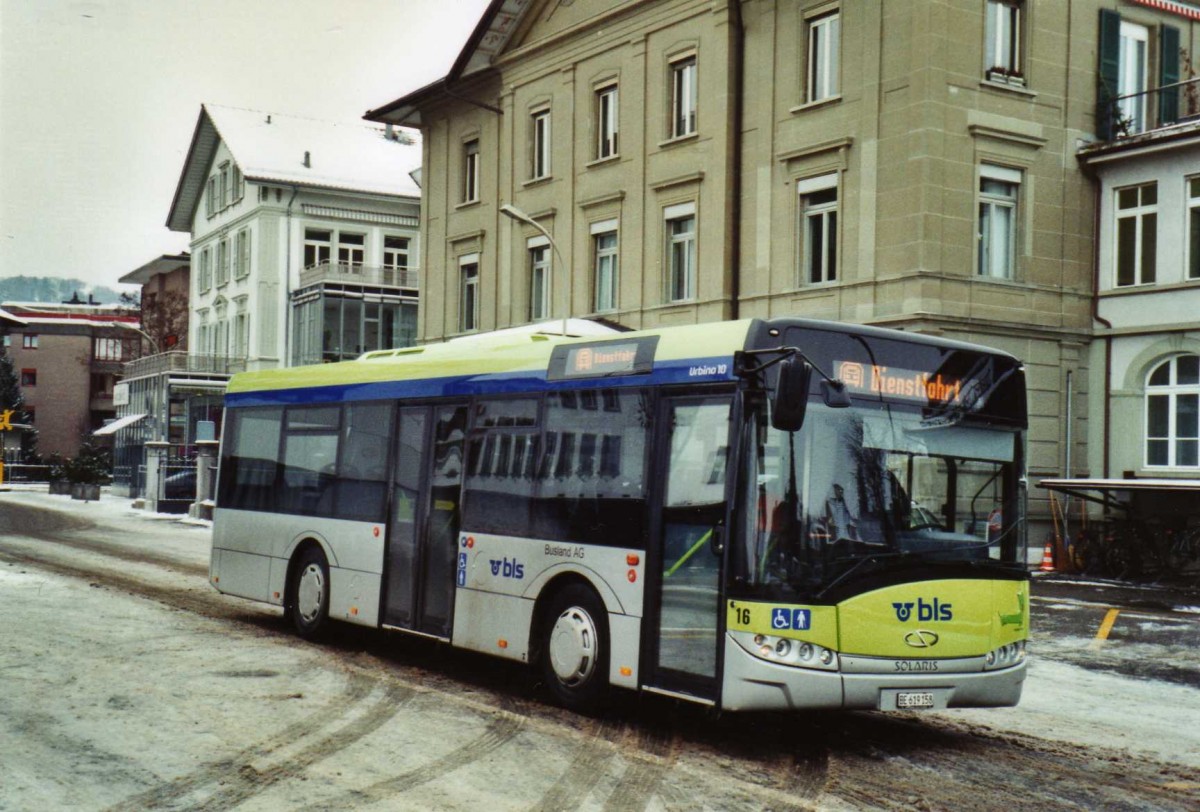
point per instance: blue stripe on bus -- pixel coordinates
(692, 370)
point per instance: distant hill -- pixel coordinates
(53, 289)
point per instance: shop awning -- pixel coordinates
(1117, 493)
(117, 425)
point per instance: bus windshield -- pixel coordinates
(859, 488)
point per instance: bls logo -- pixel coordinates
(935, 610)
(509, 569)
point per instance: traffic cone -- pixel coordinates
(1048, 558)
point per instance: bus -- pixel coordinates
(750, 515)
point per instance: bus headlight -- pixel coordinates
(1005, 656)
(786, 651)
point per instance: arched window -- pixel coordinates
(1173, 413)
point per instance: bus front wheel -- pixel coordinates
(308, 604)
(574, 661)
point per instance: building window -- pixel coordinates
(604, 241)
(1137, 234)
(819, 229)
(210, 197)
(539, 278)
(471, 171)
(205, 269)
(318, 248)
(683, 97)
(222, 262)
(29, 341)
(1173, 413)
(1002, 33)
(241, 338)
(540, 142)
(351, 251)
(998, 191)
(823, 57)
(681, 252)
(243, 253)
(29, 377)
(395, 261)
(239, 184)
(107, 349)
(1132, 78)
(606, 122)
(1193, 266)
(225, 189)
(468, 293)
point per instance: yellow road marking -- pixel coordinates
(1105, 628)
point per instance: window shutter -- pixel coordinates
(1168, 99)
(1109, 71)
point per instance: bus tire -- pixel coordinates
(574, 648)
(308, 593)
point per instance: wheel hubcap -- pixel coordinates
(310, 593)
(573, 646)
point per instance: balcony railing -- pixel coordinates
(1149, 110)
(358, 274)
(179, 361)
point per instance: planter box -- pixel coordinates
(85, 492)
(60, 487)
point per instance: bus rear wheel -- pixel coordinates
(574, 661)
(308, 593)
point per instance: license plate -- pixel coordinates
(914, 700)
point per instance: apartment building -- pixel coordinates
(68, 357)
(907, 164)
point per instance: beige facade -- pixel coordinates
(875, 162)
(67, 358)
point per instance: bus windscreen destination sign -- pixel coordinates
(602, 359)
(897, 382)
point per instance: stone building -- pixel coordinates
(905, 164)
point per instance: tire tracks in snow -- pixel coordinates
(500, 729)
(174, 793)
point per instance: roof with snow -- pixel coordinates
(492, 34)
(272, 148)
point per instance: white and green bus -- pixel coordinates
(762, 514)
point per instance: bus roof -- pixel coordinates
(502, 363)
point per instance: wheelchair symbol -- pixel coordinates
(781, 618)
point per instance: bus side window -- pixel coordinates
(591, 484)
(251, 459)
(310, 451)
(363, 470)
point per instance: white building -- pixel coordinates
(304, 237)
(1147, 313)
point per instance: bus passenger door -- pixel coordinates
(684, 626)
(423, 527)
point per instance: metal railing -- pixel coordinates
(358, 274)
(1149, 110)
(180, 361)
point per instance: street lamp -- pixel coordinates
(509, 210)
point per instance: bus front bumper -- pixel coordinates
(754, 684)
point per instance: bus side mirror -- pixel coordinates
(790, 401)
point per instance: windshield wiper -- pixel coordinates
(874, 557)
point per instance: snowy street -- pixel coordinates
(128, 683)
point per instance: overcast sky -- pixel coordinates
(99, 98)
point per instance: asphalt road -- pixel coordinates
(129, 684)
